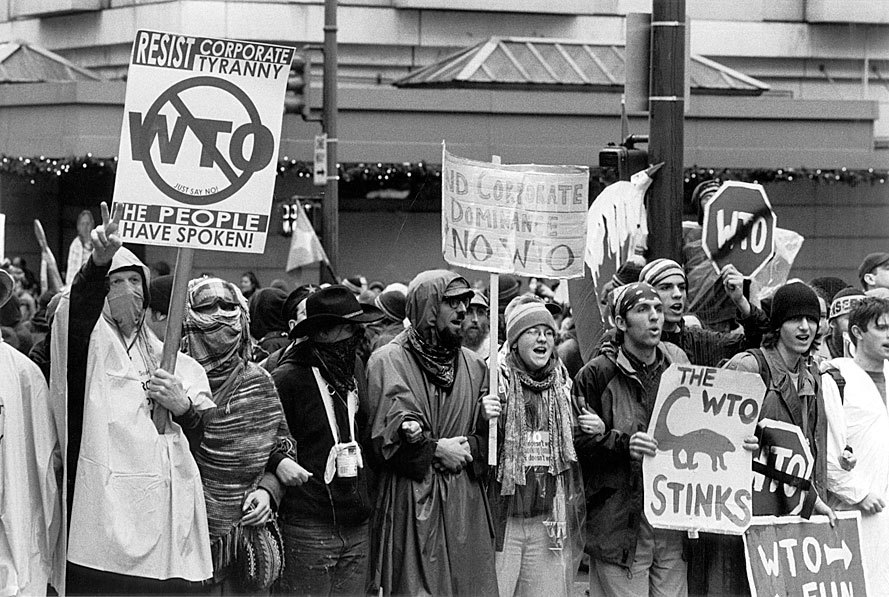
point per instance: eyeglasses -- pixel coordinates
(537, 332)
(454, 302)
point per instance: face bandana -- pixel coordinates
(338, 362)
(123, 307)
(214, 332)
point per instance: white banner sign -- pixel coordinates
(523, 219)
(701, 477)
(201, 129)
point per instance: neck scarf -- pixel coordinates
(337, 361)
(548, 388)
(439, 363)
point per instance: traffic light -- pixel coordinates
(624, 159)
(296, 100)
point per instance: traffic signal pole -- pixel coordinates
(666, 127)
(331, 203)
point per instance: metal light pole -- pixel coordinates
(331, 203)
(666, 127)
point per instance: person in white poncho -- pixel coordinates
(30, 507)
(138, 522)
(866, 486)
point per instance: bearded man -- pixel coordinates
(138, 523)
(477, 325)
(432, 533)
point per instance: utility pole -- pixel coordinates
(666, 127)
(331, 202)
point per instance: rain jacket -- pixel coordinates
(138, 504)
(30, 465)
(608, 386)
(432, 532)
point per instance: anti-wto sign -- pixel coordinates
(739, 227)
(201, 130)
(790, 556)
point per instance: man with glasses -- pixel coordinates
(431, 533)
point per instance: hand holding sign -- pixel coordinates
(106, 242)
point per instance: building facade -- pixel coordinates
(826, 62)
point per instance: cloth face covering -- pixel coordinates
(216, 324)
(123, 306)
(338, 361)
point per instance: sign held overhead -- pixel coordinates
(523, 219)
(200, 134)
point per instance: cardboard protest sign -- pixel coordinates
(701, 477)
(784, 450)
(523, 219)
(793, 556)
(200, 134)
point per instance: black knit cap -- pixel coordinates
(794, 300)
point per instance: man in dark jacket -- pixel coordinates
(629, 557)
(703, 346)
(325, 520)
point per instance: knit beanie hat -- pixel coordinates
(660, 269)
(627, 273)
(844, 301)
(526, 314)
(393, 303)
(794, 300)
(509, 289)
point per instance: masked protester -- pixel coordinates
(245, 434)
(325, 519)
(535, 492)
(138, 522)
(267, 326)
(30, 464)
(431, 531)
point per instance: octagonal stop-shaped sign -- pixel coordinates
(739, 227)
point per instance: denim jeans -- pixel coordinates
(658, 569)
(527, 567)
(323, 559)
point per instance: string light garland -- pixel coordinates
(360, 178)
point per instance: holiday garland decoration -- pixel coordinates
(361, 178)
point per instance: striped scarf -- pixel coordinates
(240, 434)
(551, 391)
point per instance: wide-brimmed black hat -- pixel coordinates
(332, 305)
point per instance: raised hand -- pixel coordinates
(105, 240)
(733, 282)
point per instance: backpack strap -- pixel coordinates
(838, 379)
(764, 372)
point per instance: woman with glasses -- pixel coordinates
(535, 490)
(245, 434)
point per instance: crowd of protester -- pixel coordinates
(333, 439)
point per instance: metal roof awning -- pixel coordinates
(533, 63)
(21, 62)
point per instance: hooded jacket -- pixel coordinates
(98, 381)
(432, 532)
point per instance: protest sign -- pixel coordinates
(784, 452)
(700, 478)
(200, 133)
(2, 237)
(794, 556)
(524, 219)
